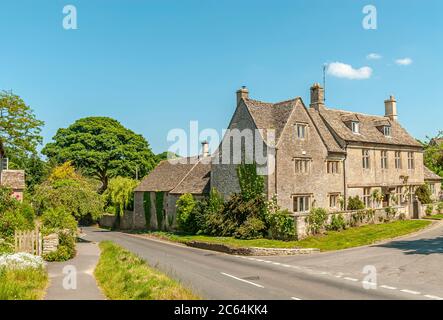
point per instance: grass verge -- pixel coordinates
(332, 240)
(435, 217)
(27, 284)
(124, 276)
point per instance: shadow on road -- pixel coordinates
(422, 246)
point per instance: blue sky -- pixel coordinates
(156, 65)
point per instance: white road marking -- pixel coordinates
(350, 279)
(388, 287)
(242, 280)
(277, 263)
(410, 291)
(433, 297)
(294, 298)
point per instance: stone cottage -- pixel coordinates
(319, 155)
(309, 156)
(156, 196)
(14, 179)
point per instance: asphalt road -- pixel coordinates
(410, 268)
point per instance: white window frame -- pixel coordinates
(398, 163)
(301, 203)
(302, 165)
(367, 197)
(366, 159)
(384, 159)
(411, 160)
(355, 127)
(335, 197)
(387, 131)
(332, 167)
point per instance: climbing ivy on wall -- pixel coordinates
(147, 208)
(159, 196)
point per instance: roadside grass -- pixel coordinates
(27, 284)
(435, 217)
(124, 276)
(332, 240)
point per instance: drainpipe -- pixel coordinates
(345, 189)
(275, 174)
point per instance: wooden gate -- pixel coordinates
(29, 242)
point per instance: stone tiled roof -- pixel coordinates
(14, 179)
(185, 174)
(197, 181)
(325, 134)
(369, 132)
(430, 175)
(271, 115)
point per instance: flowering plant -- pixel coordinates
(20, 261)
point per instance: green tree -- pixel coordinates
(186, 219)
(166, 156)
(19, 128)
(120, 194)
(70, 191)
(433, 156)
(102, 148)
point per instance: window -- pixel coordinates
(367, 197)
(301, 131)
(334, 202)
(355, 126)
(332, 167)
(365, 157)
(302, 165)
(302, 203)
(397, 160)
(411, 164)
(387, 131)
(432, 188)
(384, 159)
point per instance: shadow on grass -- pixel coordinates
(422, 246)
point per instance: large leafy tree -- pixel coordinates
(19, 128)
(101, 148)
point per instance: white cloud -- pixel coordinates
(404, 61)
(373, 56)
(342, 70)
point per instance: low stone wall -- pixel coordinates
(380, 216)
(50, 243)
(250, 251)
(129, 221)
(434, 207)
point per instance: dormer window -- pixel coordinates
(355, 126)
(387, 131)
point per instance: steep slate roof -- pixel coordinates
(326, 135)
(14, 179)
(368, 128)
(430, 175)
(187, 175)
(196, 181)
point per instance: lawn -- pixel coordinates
(27, 284)
(333, 240)
(124, 276)
(435, 217)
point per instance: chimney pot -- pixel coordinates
(205, 149)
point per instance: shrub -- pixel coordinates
(58, 219)
(390, 213)
(21, 217)
(7, 202)
(66, 249)
(440, 207)
(429, 210)
(337, 223)
(252, 228)
(186, 219)
(354, 203)
(281, 225)
(209, 214)
(316, 220)
(424, 194)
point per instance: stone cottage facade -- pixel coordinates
(320, 155)
(156, 196)
(14, 179)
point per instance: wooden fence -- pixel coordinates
(29, 241)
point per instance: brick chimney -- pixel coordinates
(243, 93)
(391, 108)
(317, 96)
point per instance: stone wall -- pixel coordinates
(50, 243)
(380, 216)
